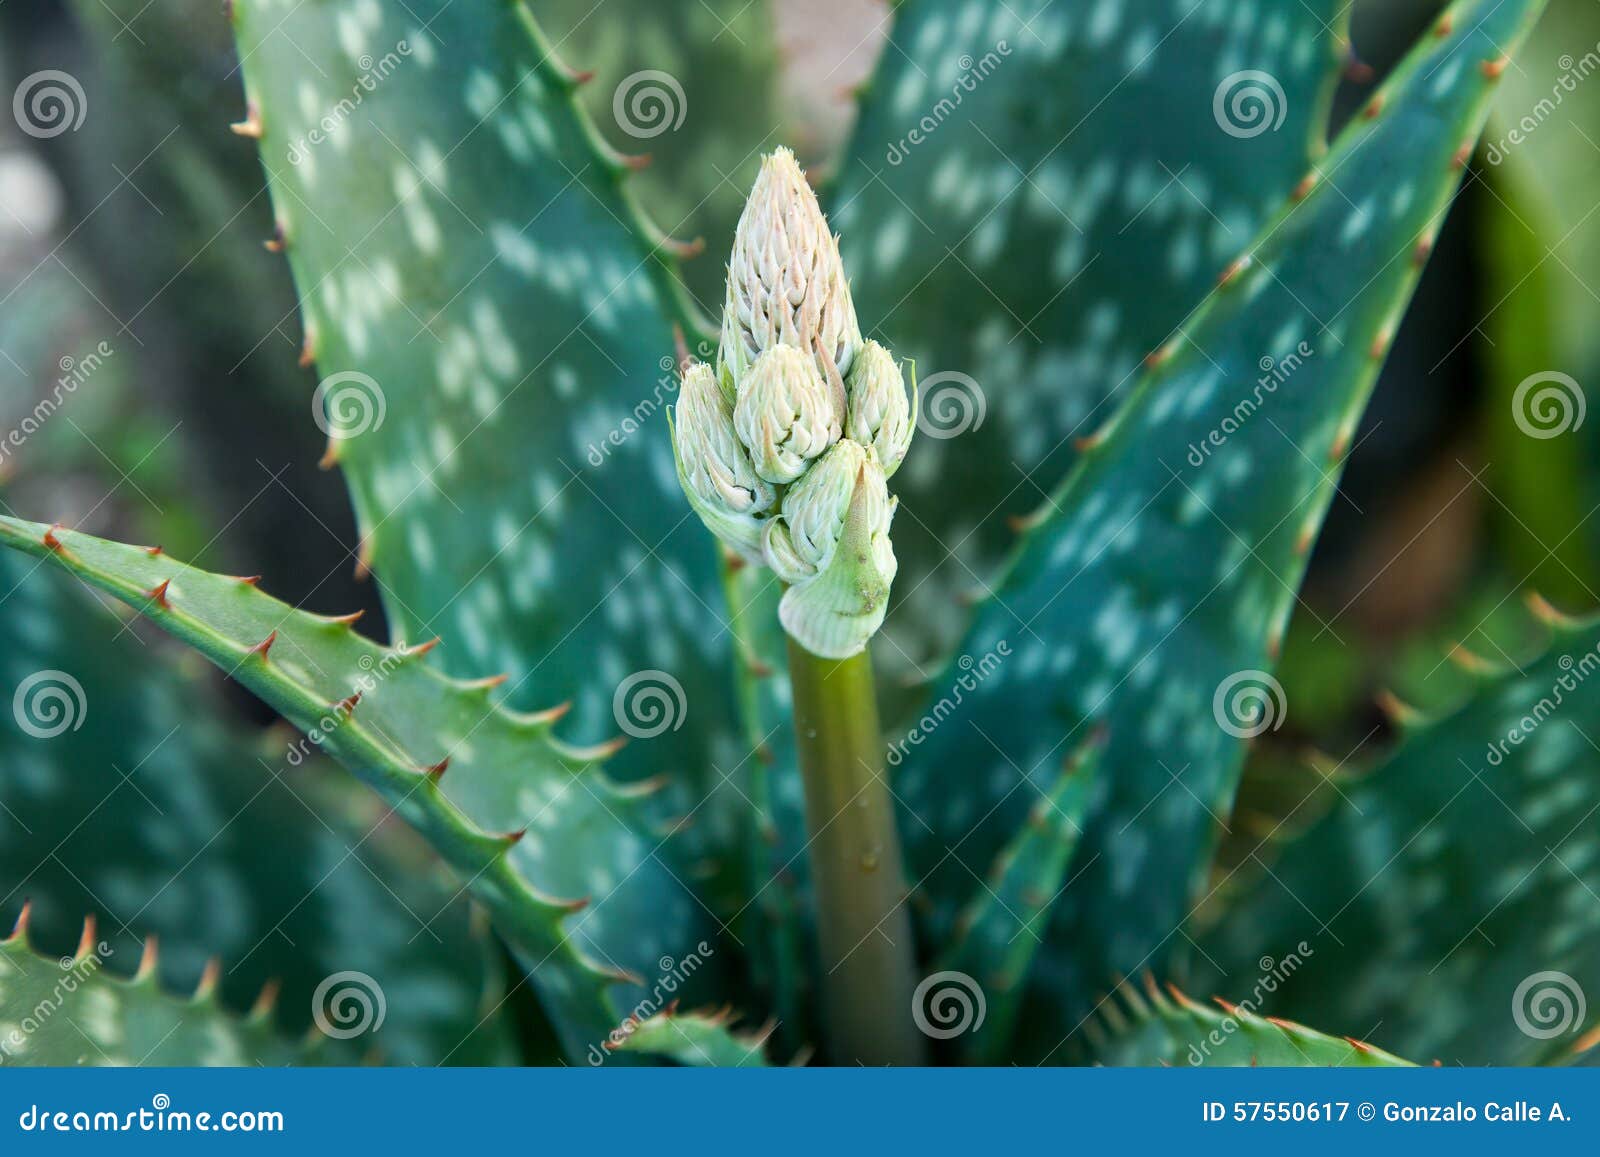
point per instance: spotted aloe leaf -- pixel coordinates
(563, 858)
(126, 800)
(1035, 196)
(1170, 1028)
(1156, 582)
(492, 317)
(997, 933)
(697, 1039)
(68, 1011)
(1463, 869)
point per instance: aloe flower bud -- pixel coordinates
(713, 468)
(880, 413)
(802, 545)
(786, 283)
(785, 415)
(837, 612)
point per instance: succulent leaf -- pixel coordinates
(68, 1012)
(563, 858)
(1035, 195)
(699, 1039)
(1464, 867)
(999, 930)
(1168, 1028)
(1159, 577)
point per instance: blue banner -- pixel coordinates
(817, 1111)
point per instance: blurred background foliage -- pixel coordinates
(143, 232)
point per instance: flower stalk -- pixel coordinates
(785, 451)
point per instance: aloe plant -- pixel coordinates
(652, 746)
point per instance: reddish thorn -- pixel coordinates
(267, 997)
(1493, 69)
(1423, 250)
(581, 76)
(437, 770)
(485, 684)
(1236, 267)
(86, 940)
(1463, 155)
(422, 648)
(159, 593)
(515, 837)
(276, 242)
(50, 539)
(20, 928)
(330, 456)
(1445, 26)
(1225, 1006)
(1303, 189)
(1356, 70)
(347, 705)
(363, 559)
(577, 905)
(1380, 345)
(248, 580)
(1374, 107)
(251, 125)
(264, 645)
(684, 250)
(637, 161)
(1285, 1025)
(346, 620)
(147, 958)
(1360, 1046)
(208, 979)
(153, 551)
(307, 351)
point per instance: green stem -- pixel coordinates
(868, 971)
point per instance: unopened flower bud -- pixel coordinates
(713, 468)
(785, 415)
(786, 283)
(814, 508)
(880, 412)
(838, 611)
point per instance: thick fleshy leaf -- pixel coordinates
(126, 799)
(1449, 898)
(1168, 1028)
(68, 1011)
(999, 931)
(563, 859)
(1036, 194)
(491, 316)
(1151, 591)
(696, 1039)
